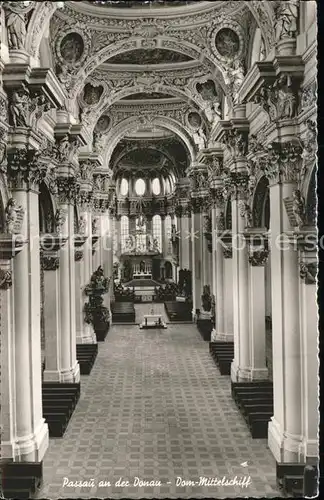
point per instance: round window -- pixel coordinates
(140, 187)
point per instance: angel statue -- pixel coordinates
(14, 214)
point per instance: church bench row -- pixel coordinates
(223, 354)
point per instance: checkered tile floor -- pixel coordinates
(156, 408)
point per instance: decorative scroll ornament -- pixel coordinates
(258, 257)
(237, 142)
(283, 162)
(279, 100)
(228, 252)
(14, 216)
(246, 212)
(308, 96)
(50, 263)
(78, 255)
(59, 219)
(67, 189)
(5, 279)
(308, 272)
(3, 144)
(286, 19)
(24, 167)
(310, 142)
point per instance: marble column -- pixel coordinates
(196, 262)
(164, 238)
(241, 363)
(228, 294)
(285, 427)
(70, 369)
(257, 259)
(52, 308)
(25, 432)
(218, 272)
(107, 246)
(83, 270)
(310, 353)
(184, 242)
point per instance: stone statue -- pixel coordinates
(286, 98)
(286, 22)
(64, 147)
(234, 79)
(299, 208)
(19, 107)
(98, 140)
(16, 23)
(200, 139)
(14, 216)
(246, 212)
(59, 219)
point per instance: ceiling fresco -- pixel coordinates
(149, 56)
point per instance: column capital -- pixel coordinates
(24, 169)
(68, 189)
(50, 262)
(236, 184)
(228, 253)
(258, 257)
(283, 162)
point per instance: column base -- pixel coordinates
(71, 375)
(247, 374)
(285, 447)
(31, 448)
(221, 337)
(88, 338)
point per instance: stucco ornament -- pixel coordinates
(286, 22)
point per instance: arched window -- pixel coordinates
(156, 187)
(157, 232)
(140, 187)
(124, 187)
(167, 186)
(124, 232)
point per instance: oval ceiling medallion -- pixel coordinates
(227, 42)
(92, 94)
(72, 48)
(102, 124)
(194, 120)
